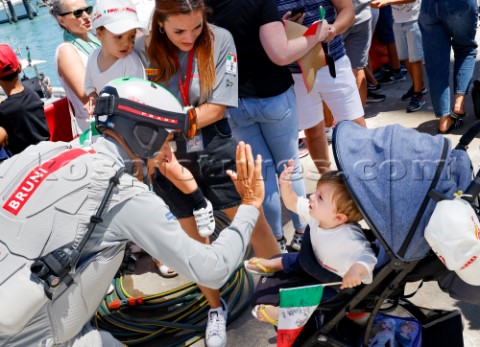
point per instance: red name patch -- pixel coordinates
(32, 181)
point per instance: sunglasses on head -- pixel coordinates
(78, 13)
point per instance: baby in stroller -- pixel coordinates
(338, 242)
(395, 176)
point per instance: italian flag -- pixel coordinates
(87, 137)
(296, 307)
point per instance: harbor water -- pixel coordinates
(41, 35)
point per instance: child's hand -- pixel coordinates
(378, 3)
(354, 276)
(90, 105)
(286, 175)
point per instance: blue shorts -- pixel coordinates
(408, 40)
(208, 167)
(384, 28)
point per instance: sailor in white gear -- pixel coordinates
(49, 193)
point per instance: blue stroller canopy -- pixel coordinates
(390, 171)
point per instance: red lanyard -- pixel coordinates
(184, 88)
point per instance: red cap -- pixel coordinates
(8, 61)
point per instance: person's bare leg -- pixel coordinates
(369, 74)
(393, 56)
(327, 115)
(360, 121)
(190, 227)
(458, 104)
(262, 240)
(415, 70)
(318, 147)
(361, 81)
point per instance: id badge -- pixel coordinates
(195, 144)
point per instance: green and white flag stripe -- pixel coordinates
(301, 296)
(296, 307)
(85, 138)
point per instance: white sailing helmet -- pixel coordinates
(142, 112)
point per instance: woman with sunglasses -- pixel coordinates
(196, 62)
(71, 56)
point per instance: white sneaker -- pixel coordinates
(204, 219)
(282, 243)
(296, 243)
(216, 333)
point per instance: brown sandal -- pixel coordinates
(446, 124)
(450, 122)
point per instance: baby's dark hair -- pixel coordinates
(341, 197)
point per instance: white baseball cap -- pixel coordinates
(453, 232)
(117, 16)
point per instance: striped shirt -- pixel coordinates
(335, 47)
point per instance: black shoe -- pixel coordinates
(408, 95)
(416, 102)
(392, 77)
(376, 89)
(373, 97)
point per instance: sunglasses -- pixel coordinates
(78, 13)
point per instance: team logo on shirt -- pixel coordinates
(25, 190)
(231, 64)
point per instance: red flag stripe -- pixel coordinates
(286, 338)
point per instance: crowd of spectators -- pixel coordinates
(236, 66)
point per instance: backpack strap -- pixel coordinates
(55, 267)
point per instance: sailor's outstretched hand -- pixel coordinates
(248, 179)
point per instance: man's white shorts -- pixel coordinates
(340, 94)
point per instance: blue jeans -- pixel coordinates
(270, 126)
(447, 24)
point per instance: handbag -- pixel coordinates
(439, 327)
(392, 331)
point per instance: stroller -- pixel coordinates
(396, 176)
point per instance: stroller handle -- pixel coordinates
(468, 136)
(473, 190)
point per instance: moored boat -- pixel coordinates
(14, 10)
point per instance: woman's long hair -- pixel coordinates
(163, 54)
